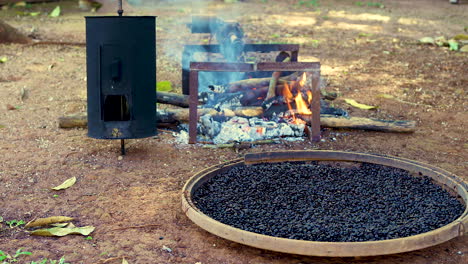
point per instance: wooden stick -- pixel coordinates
(369, 124)
(132, 227)
(273, 81)
(330, 121)
(173, 99)
(272, 85)
(241, 85)
(73, 121)
(53, 42)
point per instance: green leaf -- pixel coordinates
(3, 59)
(64, 231)
(62, 261)
(19, 253)
(427, 40)
(124, 261)
(353, 102)
(14, 223)
(33, 14)
(275, 35)
(164, 86)
(453, 44)
(365, 35)
(66, 184)
(3, 255)
(89, 238)
(56, 12)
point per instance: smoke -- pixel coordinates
(173, 33)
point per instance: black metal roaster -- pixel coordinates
(121, 76)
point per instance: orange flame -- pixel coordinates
(309, 96)
(302, 106)
(303, 79)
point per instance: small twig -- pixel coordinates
(165, 131)
(64, 43)
(130, 227)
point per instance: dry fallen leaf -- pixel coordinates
(167, 249)
(358, 105)
(59, 231)
(124, 261)
(427, 40)
(48, 221)
(66, 184)
(10, 107)
(61, 224)
(23, 94)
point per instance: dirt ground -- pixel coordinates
(135, 201)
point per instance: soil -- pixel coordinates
(368, 53)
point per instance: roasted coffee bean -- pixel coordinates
(317, 202)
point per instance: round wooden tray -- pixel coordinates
(330, 249)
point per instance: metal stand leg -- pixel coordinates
(122, 146)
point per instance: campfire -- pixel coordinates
(286, 110)
(250, 101)
(258, 108)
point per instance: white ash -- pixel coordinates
(240, 129)
(181, 137)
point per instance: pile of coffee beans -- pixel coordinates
(326, 202)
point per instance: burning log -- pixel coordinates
(166, 116)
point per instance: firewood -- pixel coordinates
(272, 85)
(173, 99)
(182, 115)
(241, 85)
(73, 121)
(369, 124)
(273, 81)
